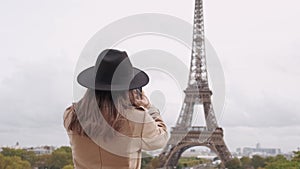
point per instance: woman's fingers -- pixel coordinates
(141, 101)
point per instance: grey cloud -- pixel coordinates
(36, 94)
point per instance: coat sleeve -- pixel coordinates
(154, 132)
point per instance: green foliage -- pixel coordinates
(43, 161)
(283, 165)
(246, 162)
(146, 161)
(155, 163)
(296, 157)
(190, 161)
(258, 161)
(280, 162)
(13, 162)
(23, 154)
(66, 149)
(20, 158)
(60, 158)
(277, 162)
(234, 164)
(68, 167)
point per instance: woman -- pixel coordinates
(114, 121)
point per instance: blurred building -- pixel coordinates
(258, 150)
(41, 150)
(199, 152)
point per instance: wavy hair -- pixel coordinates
(100, 112)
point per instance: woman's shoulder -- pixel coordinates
(69, 110)
(134, 114)
(67, 116)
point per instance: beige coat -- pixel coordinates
(123, 151)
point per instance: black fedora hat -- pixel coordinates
(113, 71)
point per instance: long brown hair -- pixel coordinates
(110, 106)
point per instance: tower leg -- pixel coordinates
(215, 142)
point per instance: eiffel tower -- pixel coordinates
(184, 135)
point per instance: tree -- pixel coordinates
(234, 164)
(68, 167)
(296, 156)
(258, 161)
(23, 154)
(146, 160)
(14, 162)
(283, 165)
(1, 161)
(190, 161)
(155, 162)
(61, 157)
(280, 162)
(246, 162)
(43, 161)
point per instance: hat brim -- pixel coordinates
(87, 79)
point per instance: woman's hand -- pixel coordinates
(140, 100)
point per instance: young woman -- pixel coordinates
(114, 121)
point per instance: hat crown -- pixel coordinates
(113, 67)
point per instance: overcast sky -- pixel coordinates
(257, 42)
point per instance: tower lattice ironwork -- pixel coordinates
(184, 135)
